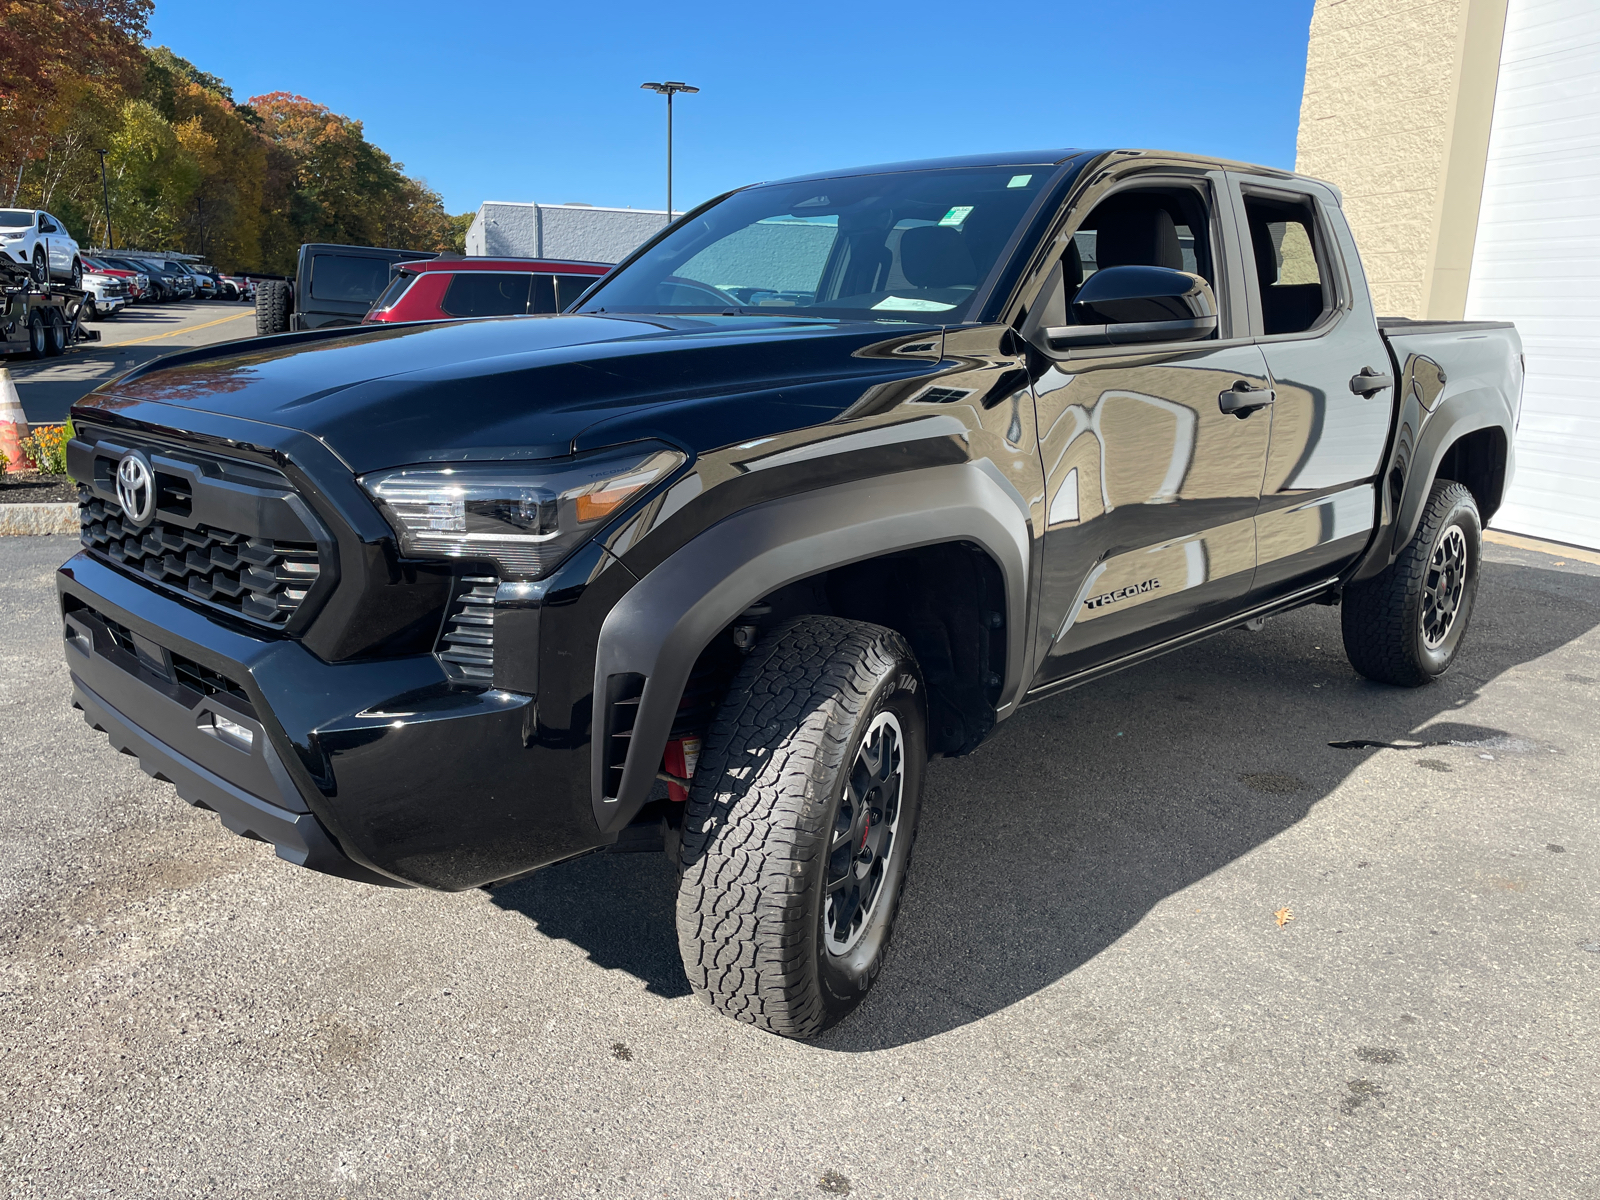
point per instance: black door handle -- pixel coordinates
(1243, 398)
(1369, 382)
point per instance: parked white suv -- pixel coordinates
(30, 236)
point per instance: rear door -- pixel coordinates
(1152, 487)
(1309, 305)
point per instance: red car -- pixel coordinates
(441, 288)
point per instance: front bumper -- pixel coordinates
(379, 770)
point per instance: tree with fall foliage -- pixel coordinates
(189, 168)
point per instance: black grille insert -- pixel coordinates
(467, 643)
(257, 578)
(190, 674)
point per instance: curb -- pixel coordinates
(21, 520)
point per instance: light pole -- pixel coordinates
(669, 89)
(106, 192)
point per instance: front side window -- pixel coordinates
(1290, 276)
(913, 245)
(1143, 227)
(486, 294)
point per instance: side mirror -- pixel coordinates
(1129, 306)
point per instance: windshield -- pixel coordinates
(16, 218)
(911, 245)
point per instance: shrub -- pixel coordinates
(47, 448)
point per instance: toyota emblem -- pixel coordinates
(136, 488)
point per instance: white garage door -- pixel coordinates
(1537, 259)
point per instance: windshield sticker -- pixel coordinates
(956, 215)
(903, 304)
(1020, 181)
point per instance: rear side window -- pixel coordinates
(1291, 273)
(397, 288)
(569, 288)
(486, 294)
(343, 277)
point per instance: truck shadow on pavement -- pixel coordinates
(1082, 813)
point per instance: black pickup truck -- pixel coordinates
(827, 479)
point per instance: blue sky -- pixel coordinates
(493, 100)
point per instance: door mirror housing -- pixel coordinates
(1130, 306)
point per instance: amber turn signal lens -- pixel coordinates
(595, 505)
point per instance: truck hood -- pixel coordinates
(387, 395)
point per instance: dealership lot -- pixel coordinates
(143, 332)
(1091, 993)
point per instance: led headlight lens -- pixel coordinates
(524, 517)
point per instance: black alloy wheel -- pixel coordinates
(864, 833)
(40, 269)
(1443, 587)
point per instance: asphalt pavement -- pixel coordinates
(1235, 923)
(49, 387)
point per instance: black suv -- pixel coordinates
(828, 478)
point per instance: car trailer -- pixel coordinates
(40, 320)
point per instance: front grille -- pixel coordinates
(190, 674)
(467, 643)
(257, 578)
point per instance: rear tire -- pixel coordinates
(272, 306)
(38, 335)
(56, 334)
(1406, 624)
(800, 825)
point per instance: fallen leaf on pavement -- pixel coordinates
(1283, 916)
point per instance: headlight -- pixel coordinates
(525, 517)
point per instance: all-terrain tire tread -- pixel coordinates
(755, 820)
(1378, 616)
(272, 306)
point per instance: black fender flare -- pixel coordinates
(658, 629)
(1418, 453)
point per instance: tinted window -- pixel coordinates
(15, 218)
(895, 246)
(543, 297)
(1290, 277)
(569, 288)
(347, 278)
(393, 292)
(486, 294)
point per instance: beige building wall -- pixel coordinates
(1398, 100)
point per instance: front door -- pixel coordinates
(1152, 487)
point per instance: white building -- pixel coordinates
(1465, 135)
(578, 231)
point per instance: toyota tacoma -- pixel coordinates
(827, 479)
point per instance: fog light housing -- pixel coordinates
(240, 737)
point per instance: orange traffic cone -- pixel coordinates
(13, 422)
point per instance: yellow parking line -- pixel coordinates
(186, 329)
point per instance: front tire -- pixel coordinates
(1405, 625)
(800, 825)
(77, 274)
